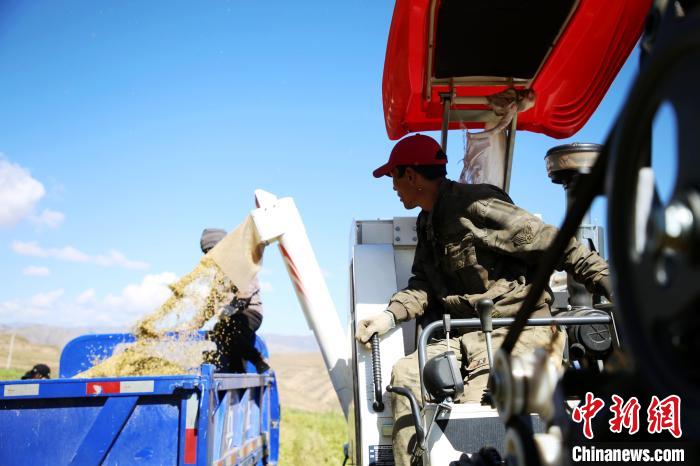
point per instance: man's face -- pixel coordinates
(405, 187)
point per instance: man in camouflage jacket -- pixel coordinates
(473, 244)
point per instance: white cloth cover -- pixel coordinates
(485, 154)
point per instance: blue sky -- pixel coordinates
(127, 127)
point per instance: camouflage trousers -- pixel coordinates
(471, 353)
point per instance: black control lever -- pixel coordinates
(447, 323)
(415, 412)
(378, 404)
(484, 307)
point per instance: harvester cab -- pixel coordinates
(446, 430)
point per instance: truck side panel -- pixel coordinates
(59, 431)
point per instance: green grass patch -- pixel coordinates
(312, 438)
(10, 374)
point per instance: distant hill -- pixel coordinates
(53, 335)
(302, 378)
(58, 336)
(303, 382)
(290, 343)
(26, 354)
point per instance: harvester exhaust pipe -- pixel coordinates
(279, 220)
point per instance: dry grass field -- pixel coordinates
(303, 382)
(25, 355)
(313, 429)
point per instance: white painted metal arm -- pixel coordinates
(278, 220)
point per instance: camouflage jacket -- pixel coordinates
(476, 244)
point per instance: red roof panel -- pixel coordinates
(587, 55)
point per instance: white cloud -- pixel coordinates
(19, 194)
(266, 287)
(112, 258)
(11, 307)
(86, 296)
(116, 258)
(69, 254)
(36, 271)
(138, 298)
(44, 300)
(57, 308)
(28, 249)
(49, 218)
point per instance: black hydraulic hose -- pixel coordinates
(586, 189)
(378, 404)
(415, 412)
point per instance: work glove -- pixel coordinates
(604, 287)
(378, 323)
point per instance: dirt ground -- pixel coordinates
(303, 382)
(25, 354)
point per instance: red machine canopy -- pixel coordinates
(567, 51)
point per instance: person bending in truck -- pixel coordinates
(473, 244)
(39, 371)
(234, 332)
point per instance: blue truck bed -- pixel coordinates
(202, 419)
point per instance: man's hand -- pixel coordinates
(604, 287)
(378, 323)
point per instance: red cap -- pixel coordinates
(413, 150)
